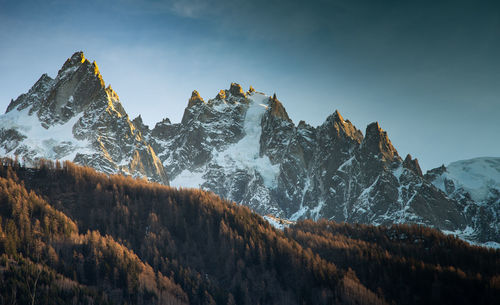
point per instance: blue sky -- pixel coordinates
(427, 71)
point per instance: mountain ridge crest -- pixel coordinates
(240, 145)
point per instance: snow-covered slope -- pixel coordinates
(242, 155)
(75, 117)
(475, 183)
(56, 143)
(479, 177)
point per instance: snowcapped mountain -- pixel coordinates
(475, 183)
(243, 146)
(75, 117)
(479, 178)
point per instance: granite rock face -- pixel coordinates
(75, 117)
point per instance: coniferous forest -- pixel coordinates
(71, 235)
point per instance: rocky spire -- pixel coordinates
(412, 164)
(276, 109)
(337, 116)
(221, 95)
(138, 120)
(377, 143)
(78, 85)
(139, 124)
(342, 129)
(78, 64)
(195, 99)
(336, 119)
(236, 90)
(76, 59)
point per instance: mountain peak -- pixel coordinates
(373, 128)
(139, 124)
(376, 142)
(195, 99)
(25, 100)
(337, 116)
(236, 90)
(276, 109)
(336, 125)
(221, 95)
(75, 60)
(78, 62)
(412, 164)
(77, 57)
(78, 85)
(75, 117)
(138, 119)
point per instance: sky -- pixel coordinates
(427, 71)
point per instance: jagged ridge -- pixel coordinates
(240, 145)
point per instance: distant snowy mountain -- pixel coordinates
(244, 147)
(479, 178)
(475, 183)
(75, 117)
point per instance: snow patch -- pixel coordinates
(491, 244)
(188, 179)
(244, 155)
(317, 209)
(299, 213)
(398, 172)
(347, 163)
(56, 142)
(278, 223)
(467, 235)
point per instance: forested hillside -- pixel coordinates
(46, 261)
(406, 263)
(147, 243)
